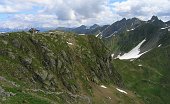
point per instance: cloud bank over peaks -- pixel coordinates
(71, 13)
(143, 9)
(53, 13)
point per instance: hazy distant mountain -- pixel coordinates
(94, 29)
(25, 29)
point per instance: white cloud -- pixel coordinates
(63, 9)
(14, 6)
(143, 9)
(7, 9)
(75, 9)
(21, 21)
(54, 13)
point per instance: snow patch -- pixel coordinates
(122, 91)
(103, 86)
(69, 43)
(131, 29)
(160, 45)
(112, 55)
(134, 53)
(98, 34)
(81, 34)
(111, 35)
(164, 28)
(140, 65)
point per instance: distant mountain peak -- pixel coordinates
(154, 18)
(135, 18)
(94, 26)
(83, 26)
(124, 19)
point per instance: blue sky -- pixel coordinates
(55, 13)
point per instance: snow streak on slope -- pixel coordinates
(134, 53)
(103, 86)
(122, 91)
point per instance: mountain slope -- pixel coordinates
(58, 68)
(146, 75)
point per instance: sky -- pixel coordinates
(20, 14)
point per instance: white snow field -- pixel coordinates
(134, 53)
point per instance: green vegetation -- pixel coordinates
(57, 68)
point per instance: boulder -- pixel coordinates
(16, 43)
(42, 74)
(27, 61)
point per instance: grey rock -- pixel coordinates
(48, 83)
(45, 49)
(59, 65)
(5, 94)
(16, 43)
(42, 74)
(27, 61)
(50, 76)
(11, 55)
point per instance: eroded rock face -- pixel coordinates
(43, 63)
(4, 94)
(16, 43)
(27, 61)
(42, 74)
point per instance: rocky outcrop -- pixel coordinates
(39, 61)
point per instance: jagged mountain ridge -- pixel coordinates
(118, 27)
(94, 29)
(152, 30)
(142, 57)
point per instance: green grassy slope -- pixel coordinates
(148, 76)
(58, 68)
